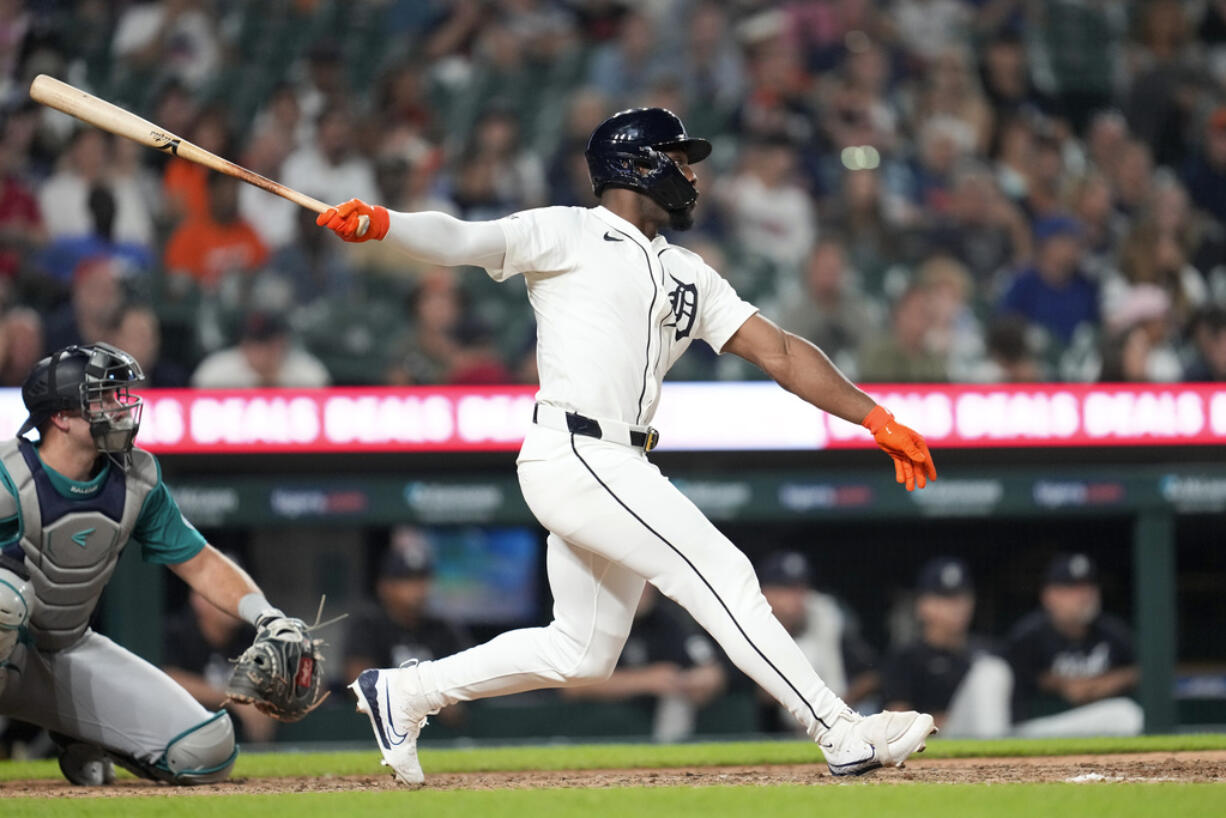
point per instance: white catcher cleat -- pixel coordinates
(397, 713)
(857, 744)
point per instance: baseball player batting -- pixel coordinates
(616, 305)
(71, 502)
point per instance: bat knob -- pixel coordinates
(363, 226)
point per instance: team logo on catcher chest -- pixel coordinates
(684, 299)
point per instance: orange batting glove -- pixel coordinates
(345, 220)
(912, 461)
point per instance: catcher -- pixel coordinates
(71, 502)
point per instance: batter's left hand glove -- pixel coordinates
(913, 464)
(282, 672)
(346, 221)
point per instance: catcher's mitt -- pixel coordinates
(282, 672)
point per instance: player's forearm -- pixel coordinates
(437, 238)
(215, 577)
(805, 371)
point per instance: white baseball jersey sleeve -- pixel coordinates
(614, 310)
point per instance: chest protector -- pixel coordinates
(71, 546)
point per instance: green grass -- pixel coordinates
(620, 756)
(913, 801)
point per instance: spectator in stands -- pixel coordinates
(316, 267)
(903, 355)
(944, 142)
(21, 339)
(1208, 354)
(185, 184)
(65, 254)
(428, 352)
(831, 311)
(980, 228)
(1092, 203)
(272, 217)
(569, 182)
(666, 668)
(264, 357)
(869, 220)
(207, 250)
(1139, 344)
(519, 174)
(1073, 665)
(773, 216)
(624, 68)
(138, 332)
(21, 222)
(1012, 354)
(176, 38)
(1054, 293)
(477, 361)
(87, 163)
(951, 89)
(328, 167)
(948, 671)
(1205, 172)
(1005, 76)
(955, 334)
(96, 296)
(1075, 53)
(199, 645)
(826, 632)
(1133, 179)
(711, 72)
(400, 626)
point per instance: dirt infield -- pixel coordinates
(1182, 766)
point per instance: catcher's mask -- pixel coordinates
(93, 379)
(628, 150)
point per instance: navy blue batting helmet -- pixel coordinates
(627, 150)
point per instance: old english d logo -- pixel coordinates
(684, 298)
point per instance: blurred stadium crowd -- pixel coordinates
(931, 190)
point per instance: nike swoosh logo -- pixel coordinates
(81, 536)
(368, 682)
(610, 237)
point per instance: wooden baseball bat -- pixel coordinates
(102, 114)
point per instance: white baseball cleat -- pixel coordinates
(397, 711)
(857, 744)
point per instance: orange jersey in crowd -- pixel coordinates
(207, 250)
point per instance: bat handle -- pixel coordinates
(363, 226)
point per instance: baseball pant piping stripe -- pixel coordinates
(651, 276)
(697, 573)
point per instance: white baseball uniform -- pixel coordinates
(614, 310)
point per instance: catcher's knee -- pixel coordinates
(16, 596)
(203, 754)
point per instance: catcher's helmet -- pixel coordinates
(627, 150)
(92, 379)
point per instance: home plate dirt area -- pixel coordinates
(1091, 769)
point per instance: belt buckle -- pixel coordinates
(652, 439)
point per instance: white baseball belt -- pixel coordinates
(614, 431)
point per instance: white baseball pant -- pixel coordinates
(616, 522)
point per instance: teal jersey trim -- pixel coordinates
(165, 536)
(13, 526)
(71, 489)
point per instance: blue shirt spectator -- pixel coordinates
(1054, 293)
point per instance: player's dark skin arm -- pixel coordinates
(216, 578)
(799, 367)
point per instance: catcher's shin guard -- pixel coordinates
(202, 755)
